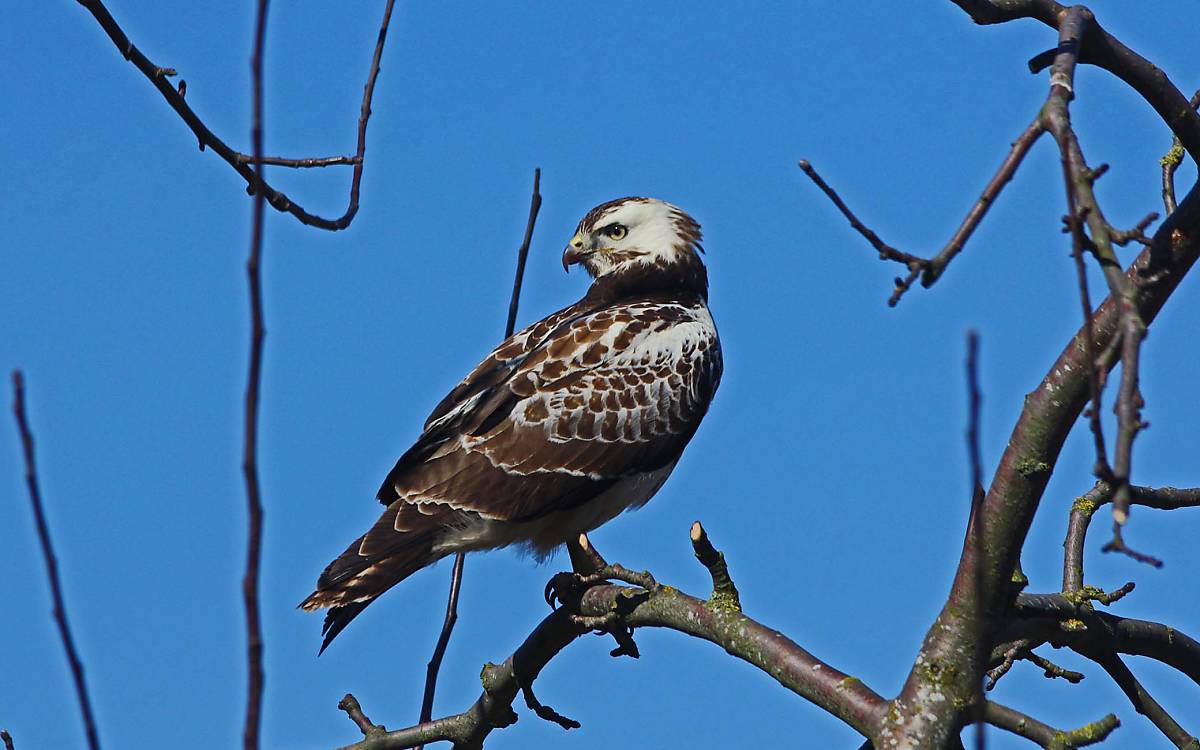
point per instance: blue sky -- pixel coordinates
(831, 470)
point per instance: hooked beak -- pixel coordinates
(573, 254)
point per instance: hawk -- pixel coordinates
(564, 425)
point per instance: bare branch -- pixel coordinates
(1047, 417)
(931, 269)
(1051, 671)
(650, 605)
(1083, 207)
(1077, 525)
(724, 594)
(242, 163)
(1105, 51)
(1144, 703)
(280, 161)
(1159, 498)
(585, 559)
(254, 508)
(1045, 735)
(43, 530)
(1037, 616)
(7, 739)
(535, 205)
(456, 573)
(1008, 655)
(976, 531)
(349, 704)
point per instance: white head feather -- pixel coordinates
(633, 231)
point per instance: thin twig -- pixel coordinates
(1105, 51)
(977, 530)
(535, 205)
(7, 739)
(1045, 735)
(1057, 119)
(280, 161)
(1051, 671)
(1008, 654)
(439, 651)
(254, 640)
(1144, 703)
(1170, 163)
(929, 270)
(242, 163)
(43, 530)
(1084, 209)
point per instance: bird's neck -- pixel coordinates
(684, 274)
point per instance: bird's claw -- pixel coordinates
(564, 589)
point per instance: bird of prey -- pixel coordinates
(564, 425)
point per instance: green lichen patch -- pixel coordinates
(1172, 158)
(1084, 505)
(724, 601)
(1030, 466)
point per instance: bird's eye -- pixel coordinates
(616, 231)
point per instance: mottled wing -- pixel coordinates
(608, 394)
(558, 414)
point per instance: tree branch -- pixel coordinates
(242, 163)
(662, 607)
(56, 595)
(945, 661)
(930, 270)
(456, 573)
(1047, 736)
(1082, 510)
(1038, 616)
(1144, 703)
(1170, 163)
(1105, 51)
(254, 508)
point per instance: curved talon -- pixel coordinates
(561, 588)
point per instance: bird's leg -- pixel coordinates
(591, 569)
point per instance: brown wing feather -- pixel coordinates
(549, 420)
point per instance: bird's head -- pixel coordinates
(632, 235)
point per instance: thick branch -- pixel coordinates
(242, 163)
(1105, 51)
(1038, 616)
(56, 595)
(659, 607)
(1049, 413)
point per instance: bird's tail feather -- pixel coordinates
(353, 580)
